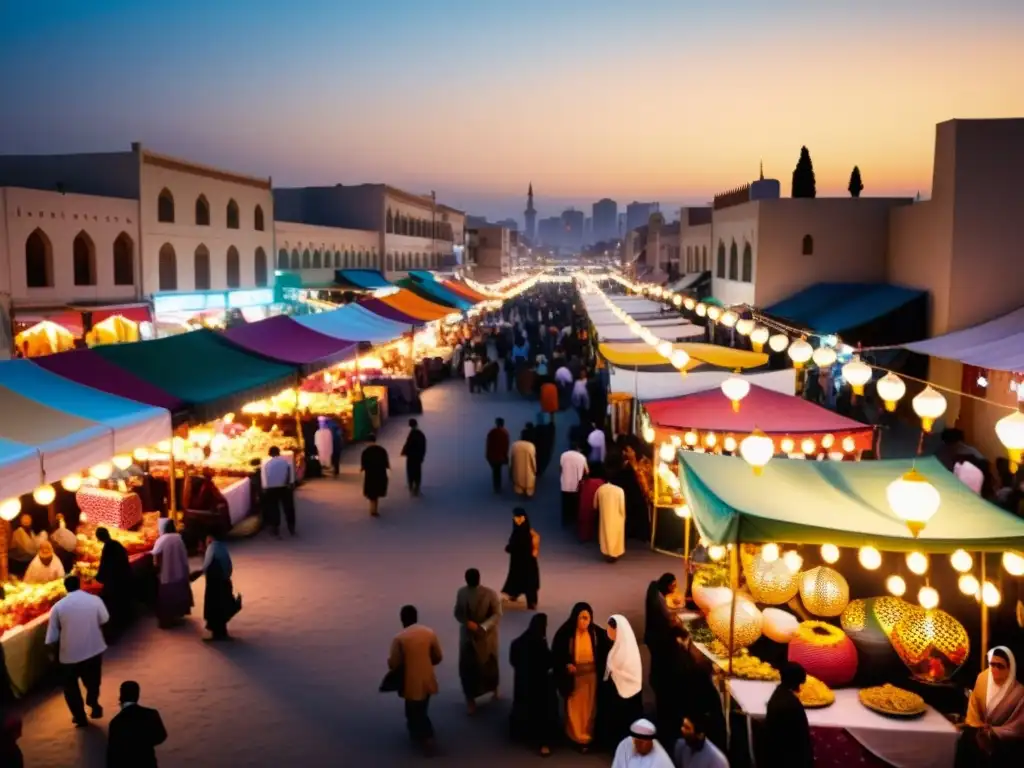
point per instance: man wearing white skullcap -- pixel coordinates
(640, 749)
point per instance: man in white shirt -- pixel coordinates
(596, 442)
(469, 373)
(76, 623)
(640, 749)
(574, 469)
(278, 478)
(694, 750)
(581, 398)
(44, 567)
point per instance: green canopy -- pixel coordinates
(201, 368)
(837, 502)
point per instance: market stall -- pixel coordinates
(436, 293)
(411, 304)
(355, 323)
(639, 354)
(286, 341)
(388, 312)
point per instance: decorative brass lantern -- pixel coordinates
(747, 623)
(932, 644)
(824, 591)
(770, 581)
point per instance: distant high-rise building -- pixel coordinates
(550, 231)
(588, 230)
(606, 219)
(572, 225)
(638, 214)
(621, 226)
(530, 215)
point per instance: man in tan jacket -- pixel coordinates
(416, 651)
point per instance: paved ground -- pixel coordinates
(299, 687)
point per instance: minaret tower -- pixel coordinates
(530, 214)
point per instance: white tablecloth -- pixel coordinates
(239, 498)
(922, 742)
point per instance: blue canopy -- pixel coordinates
(435, 290)
(422, 276)
(21, 468)
(354, 323)
(366, 279)
(838, 307)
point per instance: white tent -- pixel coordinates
(651, 385)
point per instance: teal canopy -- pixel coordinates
(836, 502)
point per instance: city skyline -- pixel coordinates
(314, 94)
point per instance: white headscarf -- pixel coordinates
(624, 665)
(995, 693)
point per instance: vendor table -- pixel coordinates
(922, 742)
(238, 495)
(108, 507)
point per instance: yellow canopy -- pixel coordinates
(45, 338)
(634, 354)
(116, 329)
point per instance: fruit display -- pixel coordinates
(825, 652)
(932, 644)
(814, 694)
(236, 454)
(24, 602)
(889, 700)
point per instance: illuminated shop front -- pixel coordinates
(179, 312)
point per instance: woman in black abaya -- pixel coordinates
(523, 570)
(534, 718)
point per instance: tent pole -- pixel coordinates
(984, 614)
(172, 493)
(687, 522)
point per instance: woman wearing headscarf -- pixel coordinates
(170, 558)
(534, 718)
(994, 727)
(660, 630)
(620, 699)
(580, 651)
(523, 571)
(586, 516)
(219, 602)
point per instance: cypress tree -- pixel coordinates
(856, 185)
(803, 176)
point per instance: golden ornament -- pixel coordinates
(824, 591)
(771, 583)
(747, 623)
(932, 644)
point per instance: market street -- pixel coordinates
(299, 685)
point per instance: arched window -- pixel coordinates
(234, 268)
(201, 267)
(202, 212)
(307, 259)
(734, 262)
(282, 259)
(808, 246)
(38, 260)
(165, 207)
(748, 263)
(364, 260)
(83, 256)
(168, 268)
(124, 260)
(317, 262)
(720, 269)
(296, 259)
(390, 263)
(232, 214)
(704, 258)
(389, 223)
(259, 268)
(257, 219)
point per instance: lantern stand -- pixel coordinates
(984, 612)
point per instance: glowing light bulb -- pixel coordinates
(667, 452)
(1013, 563)
(829, 553)
(71, 483)
(778, 342)
(869, 558)
(990, 594)
(808, 446)
(793, 560)
(786, 445)
(730, 444)
(928, 597)
(969, 585)
(917, 562)
(716, 552)
(770, 552)
(896, 586)
(10, 508)
(683, 511)
(827, 441)
(44, 495)
(961, 561)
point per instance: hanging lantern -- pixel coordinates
(770, 581)
(729, 318)
(664, 349)
(102, 471)
(869, 558)
(917, 562)
(793, 561)
(141, 454)
(679, 359)
(928, 597)
(757, 450)
(961, 561)
(857, 373)
(744, 623)
(666, 452)
(759, 337)
(896, 586)
(969, 585)
(714, 313)
(744, 326)
(702, 310)
(829, 553)
(44, 495)
(990, 594)
(71, 483)
(824, 357)
(913, 500)
(1010, 431)
(1013, 563)
(786, 445)
(929, 405)
(735, 388)
(716, 552)
(824, 591)
(649, 434)
(778, 342)
(677, 300)
(691, 438)
(890, 388)
(800, 352)
(827, 441)
(729, 444)
(689, 303)
(124, 461)
(931, 643)
(710, 440)
(676, 440)
(808, 446)
(10, 508)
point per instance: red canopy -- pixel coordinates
(774, 413)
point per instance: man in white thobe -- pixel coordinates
(45, 567)
(610, 503)
(323, 439)
(640, 749)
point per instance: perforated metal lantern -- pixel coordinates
(869, 623)
(932, 644)
(747, 624)
(771, 583)
(824, 591)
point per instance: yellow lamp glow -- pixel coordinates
(649, 434)
(710, 440)
(667, 452)
(122, 461)
(702, 310)
(716, 552)
(824, 357)
(891, 389)
(913, 500)
(787, 445)
(928, 597)
(689, 303)
(102, 471)
(729, 444)
(808, 446)
(714, 313)
(961, 561)
(44, 495)
(829, 553)
(757, 450)
(677, 300)
(71, 483)
(676, 440)
(836, 455)
(759, 337)
(917, 562)
(827, 441)
(665, 349)
(691, 438)
(770, 552)
(729, 319)
(679, 359)
(141, 454)
(793, 560)
(857, 373)
(744, 326)
(735, 388)
(869, 558)
(800, 351)
(969, 585)
(849, 444)
(990, 594)
(683, 511)
(929, 405)
(778, 342)
(164, 446)
(10, 508)
(1013, 563)
(896, 586)
(1010, 431)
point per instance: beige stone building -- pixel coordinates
(493, 253)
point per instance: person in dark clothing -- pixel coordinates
(497, 448)
(115, 574)
(219, 602)
(579, 652)
(135, 732)
(415, 451)
(534, 717)
(308, 425)
(786, 730)
(523, 569)
(374, 464)
(660, 631)
(10, 732)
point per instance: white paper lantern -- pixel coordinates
(701, 310)
(759, 337)
(857, 373)
(757, 450)
(824, 357)
(10, 508)
(929, 405)
(913, 500)
(778, 342)
(689, 303)
(714, 312)
(744, 326)
(800, 351)
(735, 388)
(891, 389)
(1010, 431)
(44, 495)
(729, 318)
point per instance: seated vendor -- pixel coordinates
(62, 538)
(45, 566)
(24, 543)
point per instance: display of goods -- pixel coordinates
(932, 644)
(824, 591)
(889, 700)
(769, 583)
(709, 598)
(825, 652)
(24, 602)
(110, 508)
(699, 631)
(711, 575)
(869, 623)
(779, 625)
(745, 621)
(814, 694)
(744, 664)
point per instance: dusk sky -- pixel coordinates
(652, 99)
